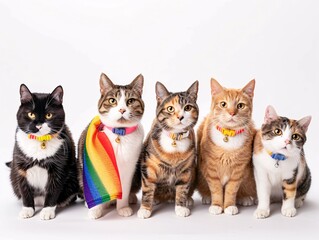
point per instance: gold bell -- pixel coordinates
(174, 143)
(43, 145)
(225, 138)
(117, 140)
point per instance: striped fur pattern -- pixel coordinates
(288, 180)
(168, 172)
(119, 106)
(225, 172)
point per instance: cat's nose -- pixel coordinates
(38, 126)
(180, 118)
(122, 110)
(287, 141)
(232, 114)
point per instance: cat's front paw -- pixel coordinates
(206, 200)
(289, 212)
(144, 213)
(26, 212)
(182, 211)
(125, 211)
(231, 210)
(261, 213)
(216, 210)
(95, 212)
(47, 213)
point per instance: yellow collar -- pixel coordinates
(229, 132)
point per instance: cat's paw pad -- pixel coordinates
(206, 200)
(26, 212)
(143, 213)
(189, 202)
(216, 210)
(47, 213)
(246, 201)
(95, 212)
(262, 213)
(125, 211)
(231, 210)
(289, 212)
(182, 211)
(132, 198)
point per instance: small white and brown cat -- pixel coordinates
(225, 145)
(280, 166)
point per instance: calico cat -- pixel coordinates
(169, 154)
(120, 110)
(44, 164)
(225, 142)
(280, 166)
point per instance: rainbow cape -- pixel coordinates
(101, 178)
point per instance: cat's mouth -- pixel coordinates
(122, 120)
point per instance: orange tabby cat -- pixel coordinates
(225, 143)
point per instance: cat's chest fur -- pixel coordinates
(37, 177)
(32, 148)
(234, 142)
(181, 145)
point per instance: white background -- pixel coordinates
(47, 43)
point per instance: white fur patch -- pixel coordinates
(26, 212)
(182, 211)
(47, 213)
(96, 212)
(37, 177)
(125, 212)
(166, 143)
(234, 142)
(231, 210)
(143, 213)
(261, 213)
(216, 210)
(32, 148)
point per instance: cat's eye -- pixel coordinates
(187, 108)
(170, 109)
(223, 104)
(48, 115)
(278, 132)
(241, 105)
(31, 115)
(112, 101)
(130, 101)
(295, 137)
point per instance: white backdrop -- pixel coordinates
(48, 43)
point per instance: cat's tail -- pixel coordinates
(9, 164)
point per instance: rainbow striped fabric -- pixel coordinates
(101, 178)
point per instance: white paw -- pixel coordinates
(189, 202)
(216, 210)
(206, 200)
(289, 212)
(95, 212)
(246, 201)
(125, 211)
(26, 212)
(182, 211)
(261, 213)
(132, 198)
(231, 210)
(47, 213)
(143, 213)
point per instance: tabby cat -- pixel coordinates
(44, 164)
(280, 166)
(119, 108)
(169, 154)
(225, 143)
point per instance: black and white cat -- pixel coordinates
(44, 164)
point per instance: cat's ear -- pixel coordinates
(249, 88)
(270, 114)
(161, 92)
(304, 123)
(105, 83)
(25, 94)
(57, 94)
(193, 90)
(215, 87)
(138, 83)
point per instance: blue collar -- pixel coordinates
(278, 157)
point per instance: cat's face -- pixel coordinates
(40, 113)
(232, 108)
(283, 135)
(121, 106)
(177, 111)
